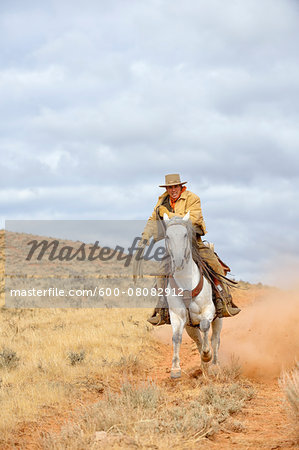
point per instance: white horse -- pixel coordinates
(187, 276)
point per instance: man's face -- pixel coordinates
(174, 191)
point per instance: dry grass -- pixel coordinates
(290, 385)
(145, 415)
(51, 351)
(8, 359)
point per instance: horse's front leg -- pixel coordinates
(178, 320)
(216, 327)
(206, 354)
(194, 333)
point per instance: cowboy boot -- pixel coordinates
(224, 303)
(160, 316)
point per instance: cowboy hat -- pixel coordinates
(172, 179)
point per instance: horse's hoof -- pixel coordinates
(175, 373)
(206, 356)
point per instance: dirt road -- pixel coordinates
(264, 339)
(263, 422)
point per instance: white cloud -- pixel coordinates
(98, 103)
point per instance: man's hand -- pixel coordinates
(163, 210)
(144, 239)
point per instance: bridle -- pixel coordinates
(187, 251)
(187, 294)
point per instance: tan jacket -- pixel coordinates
(187, 202)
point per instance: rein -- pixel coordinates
(187, 294)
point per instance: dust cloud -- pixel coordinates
(264, 337)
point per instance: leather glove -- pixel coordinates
(162, 210)
(145, 237)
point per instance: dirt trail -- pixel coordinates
(264, 419)
(265, 340)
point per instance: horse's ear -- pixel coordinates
(186, 216)
(165, 217)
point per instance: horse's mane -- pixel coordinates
(209, 273)
(177, 220)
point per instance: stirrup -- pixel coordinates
(225, 309)
(229, 310)
(156, 320)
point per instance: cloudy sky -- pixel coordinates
(100, 99)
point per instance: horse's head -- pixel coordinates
(178, 240)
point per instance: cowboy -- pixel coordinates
(177, 201)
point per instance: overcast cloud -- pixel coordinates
(99, 99)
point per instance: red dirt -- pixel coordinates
(264, 419)
(264, 338)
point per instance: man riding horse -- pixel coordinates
(177, 201)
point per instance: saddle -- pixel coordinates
(210, 245)
(188, 295)
(225, 266)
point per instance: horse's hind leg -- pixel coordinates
(178, 324)
(194, 333)
(215, 339)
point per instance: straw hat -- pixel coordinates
(172, 179)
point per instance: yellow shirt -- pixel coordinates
(187, 202)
